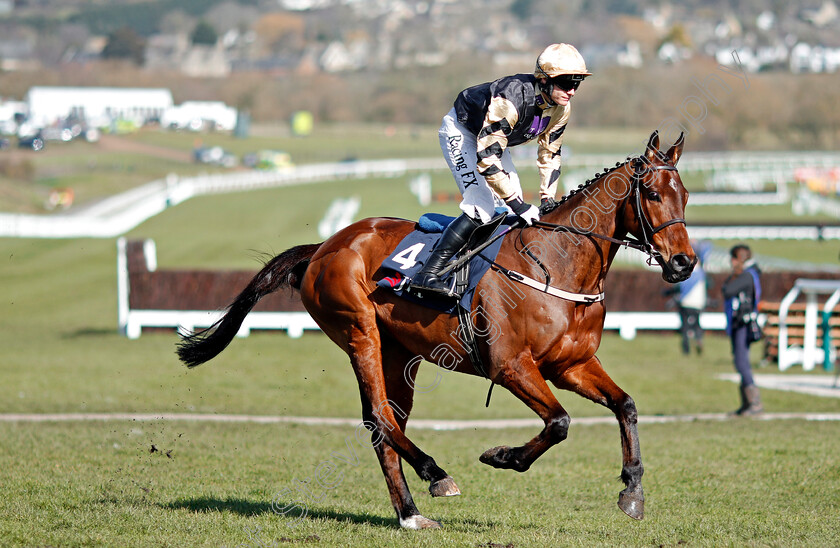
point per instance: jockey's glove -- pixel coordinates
(524, 211)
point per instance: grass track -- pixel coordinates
(739, 483)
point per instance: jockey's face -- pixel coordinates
(562, 94)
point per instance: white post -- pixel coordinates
(785, 358)
(150, 254)
(122, 287)
(809, 353)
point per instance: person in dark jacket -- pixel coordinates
(475, 137)
(741, 293)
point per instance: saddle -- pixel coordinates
(410, 255)
(408, 258)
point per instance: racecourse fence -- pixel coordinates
(117, 215)
(804, 333)
(191, 299)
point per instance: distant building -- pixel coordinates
(627, 54)
(341, 57)
(203, 61)
(98, 107)
(17, 48)
(669, 52)
(807, 58)
(305, 5)
(199, 115)
(166, 51)
(176, 52)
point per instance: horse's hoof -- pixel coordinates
(419, 522)
(632, 504)
(444, 488)
(502, 457)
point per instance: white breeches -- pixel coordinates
(459, 148)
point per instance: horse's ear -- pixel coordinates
(652, 146)
(676, 150)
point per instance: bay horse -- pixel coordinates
(527, 337)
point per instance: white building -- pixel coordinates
(341, 57)
(96, 106)
(9, 112)
(197, 115)
(177, 52)
(807, 58)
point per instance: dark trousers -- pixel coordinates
(741, 355)
(690, 328)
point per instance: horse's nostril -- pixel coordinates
(680, 262)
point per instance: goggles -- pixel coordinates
(567, 82)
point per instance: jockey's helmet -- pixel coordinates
(560, 60)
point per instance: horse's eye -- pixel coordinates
(653, 196)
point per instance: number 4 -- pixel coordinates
(407, 257)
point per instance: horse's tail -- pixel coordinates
(286, 269)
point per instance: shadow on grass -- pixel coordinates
(250, 508)
(90, 332)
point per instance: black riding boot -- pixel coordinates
(453, 240)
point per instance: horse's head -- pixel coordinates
(657, 209)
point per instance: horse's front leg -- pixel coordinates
(591, 381)
(522, 378)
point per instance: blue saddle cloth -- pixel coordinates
(413, 251)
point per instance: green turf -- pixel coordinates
(740, 483)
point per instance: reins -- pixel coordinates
(627, 242)
(466, 257)
(645, 245)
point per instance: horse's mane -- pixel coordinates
(551, 205)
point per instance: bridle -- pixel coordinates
(645, 243)
(640, 167)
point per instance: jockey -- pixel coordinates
(475, 136)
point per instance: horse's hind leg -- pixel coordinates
(361, 341)
(526, 383)
(335, 294)
(592, 382)
(401, 394)
(366, 358)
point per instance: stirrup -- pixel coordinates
(420, 289)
